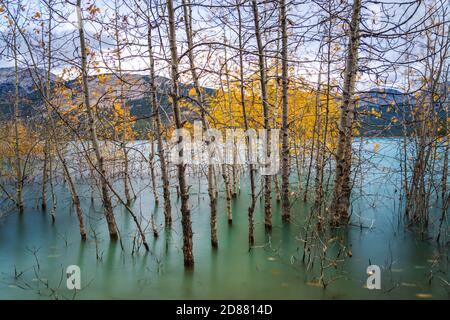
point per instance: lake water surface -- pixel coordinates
(34, 252)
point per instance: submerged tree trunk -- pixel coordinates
(107, 206)
(265, 103)
(341, 190)
(444, 178)
(47, 92)
(251, 208)
(427, 117)
(151, 161)
(285, 162)
(322, 145)
(205, 124)
(225, 167)
(17, 142)
(123, 144)
(228, 195)
(276, 182)
(73, 191)
(45, 176)
(52, 190)
(159, 141)
(184, 192)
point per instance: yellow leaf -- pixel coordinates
(405, 284)
(93, 9)
(424, 295)
(314, 283)
(101, 78)
(192, 91)
(376, 147)
(275, 271)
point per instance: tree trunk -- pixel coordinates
(159, 141)
(73, 192)
(126, 175)
(184, 192)
(45, 176)
(225, 167)
(107, 206)
(251, 208)
(285, 161)
(152, 170)
(205, 124)
(444, 178)
(341, 190)
(52, 190)
(321, 145)
(226, 181)
(18, 166)
(265, 103)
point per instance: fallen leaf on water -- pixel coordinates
(406, 284)
(275, 271)
(41, 279)
(271, 259)
(376, 147)
(314, 283)
(424, 295)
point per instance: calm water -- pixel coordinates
(38, 251)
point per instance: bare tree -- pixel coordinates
(265, 103)
(284, 131)
(107, 206)
(342, 188)
(174, 95)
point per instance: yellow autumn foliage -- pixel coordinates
(115, 118)
(28, 142)
(225, 109)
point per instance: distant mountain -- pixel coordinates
(29, 94)
(27, 77)
(106, 87)
(389, 112)
(380, 112)
(383, 111)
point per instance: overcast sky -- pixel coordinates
(212, 24)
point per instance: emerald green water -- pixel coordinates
(411, 267)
